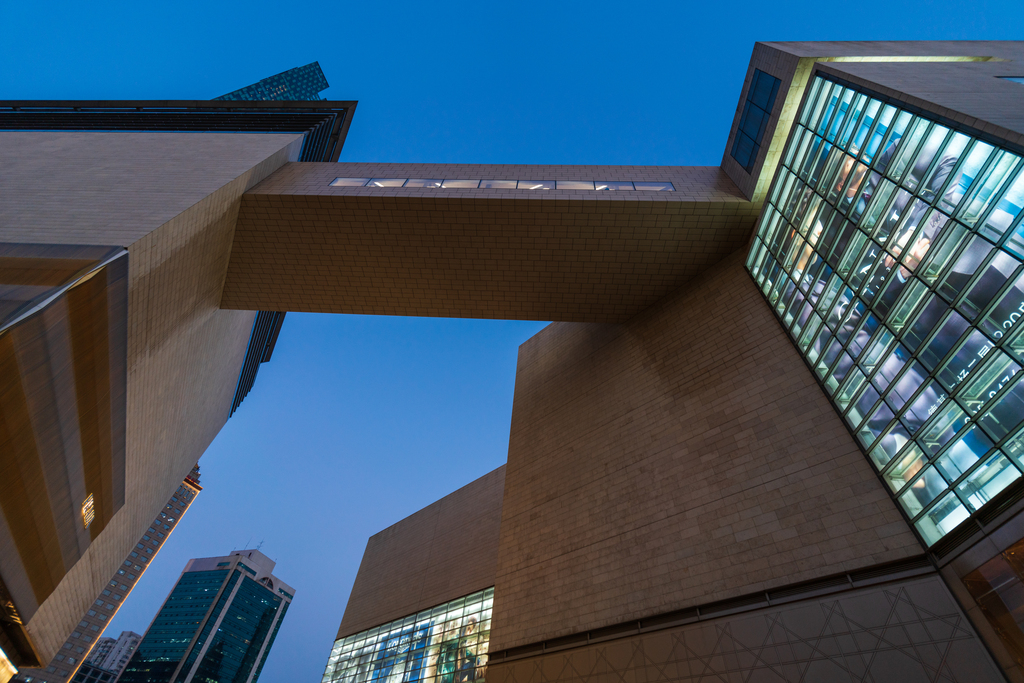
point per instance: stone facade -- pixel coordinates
(172, 200)
(444, 551)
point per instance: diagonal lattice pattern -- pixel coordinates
(908, 632)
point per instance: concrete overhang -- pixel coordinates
(567, 255)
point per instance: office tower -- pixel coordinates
(83, 647)
(108, 659)
(218, 623)
(98, 384)
(301, 83)
(773, 431)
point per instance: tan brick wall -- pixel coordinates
(684, 457)
(444, 551)
(881, 633)
(572, 255)
(978, 98)
(165, 198)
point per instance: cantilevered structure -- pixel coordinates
(773, 432)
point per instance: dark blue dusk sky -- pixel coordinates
(360, 421)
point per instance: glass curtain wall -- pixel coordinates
(446, 644)
(891, 249)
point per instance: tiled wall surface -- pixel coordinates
(444, 551)
(977, 97)
(783, 66)
(172, 200)
(572, 255)
(684, 457)
(907, 631)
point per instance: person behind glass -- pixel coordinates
(467, 654)
(885, 280)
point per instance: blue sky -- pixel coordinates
(360, 421)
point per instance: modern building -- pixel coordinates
(799, 461)
(77, 347)
(218, 623)
(84, 648)
(108, 659)
(772, 434)
(303, 83)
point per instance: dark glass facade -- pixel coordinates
(301, 83)
(754, 120)
(891, 249)
(216, 625)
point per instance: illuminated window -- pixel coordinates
(647, 186)
(88, 511)
(440, 645)
(891, 248)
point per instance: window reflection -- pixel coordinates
(446, 644)
(892, 248)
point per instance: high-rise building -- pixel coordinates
(303, 83)
(218, 623)
(774, 431)
(73, 352)
(83, 647)
(108, 659)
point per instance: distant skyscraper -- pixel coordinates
(108, 659)
(79, 644)
(300, 83)
(218, 624)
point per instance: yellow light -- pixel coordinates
(88, 511)
(7, 668)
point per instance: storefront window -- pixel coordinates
(446, 644)
(892, 249)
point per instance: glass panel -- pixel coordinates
(536, 185)
(880, 131)
(925, 156)
(894, 304)
(574, 185)
(922, 492)
(963, 453)
(994, 475)
(460, 183)
(946, 424)
(1006, 312)
(988, 191)
(1007, 412)
(498, 184)
(613, 185)
(1006, 211)
(424, 182)
(965, 176)
(966, 359)
(945, 516)
(386, 182)
(990, 379)
(349, 182)
(905, 469)
(655, 186)
(992, 278)
(949, 240)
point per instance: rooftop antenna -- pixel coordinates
(247, 543)
(260, 545)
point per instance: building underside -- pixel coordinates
(774, 432)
